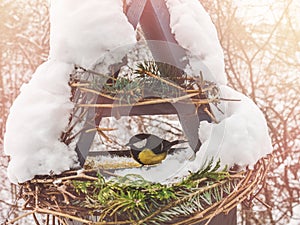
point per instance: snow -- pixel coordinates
(173, 168)
(195, 32)
(241, 137)
(80, 34)
(82, 31)
(38, 116)
(86, 33)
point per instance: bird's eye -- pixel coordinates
(140, 144)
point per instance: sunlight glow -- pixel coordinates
(268, 11)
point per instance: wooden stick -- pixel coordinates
(96, 73)
(21, 217)
(80, 84)
(54, 213)
(98, 93)
(150, 102)
(213, 118)
(163, 80)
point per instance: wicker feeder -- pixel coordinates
(197, 200)
(95, 195)
(99, 196)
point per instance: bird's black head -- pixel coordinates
(139, 141)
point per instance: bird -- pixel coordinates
(149, 149)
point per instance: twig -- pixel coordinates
(51, 212)
(213, 118)
(61, 221)
(101, 132)
(80, 84)
(94, 72)
(149, 102)
(35, 219)
(262, 202)
(63, 190)
(163, 80)
(230, 99)
(98, 93)
(113, 223)
(21, 217)
(101, 128)
(81, 175)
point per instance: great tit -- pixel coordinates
(148, 149)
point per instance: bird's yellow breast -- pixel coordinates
(148, 157)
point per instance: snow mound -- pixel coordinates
(195, 32)
(82, 31)
(36, 120)
(240, 138)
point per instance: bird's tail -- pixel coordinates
(177, 142)
(172, 150)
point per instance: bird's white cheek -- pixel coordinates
(140, 144)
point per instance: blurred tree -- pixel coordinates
(24, 37)
(261, 43)
(24, 44)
